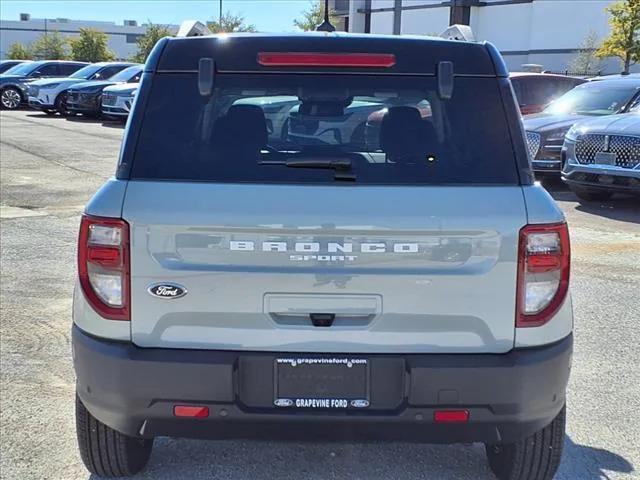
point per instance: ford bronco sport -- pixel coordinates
(405, 283)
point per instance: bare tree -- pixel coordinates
(587, 60)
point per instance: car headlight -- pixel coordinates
(557, 135)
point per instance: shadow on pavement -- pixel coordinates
(113, 124)
(621, 208)
(590, 463)
(242, 460)
(172, 459)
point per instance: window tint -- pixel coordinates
(275, 128)
(50, 70)
(67, 69)
(108, 72)
(539, 90)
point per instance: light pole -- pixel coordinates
(220, 13)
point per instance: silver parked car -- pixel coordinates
(117, 100)
(602, 156)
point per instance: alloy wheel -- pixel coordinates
(10, 98)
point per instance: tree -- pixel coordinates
(18, 51)
(624, 40)
(313, 16)
(50, 46)
(587, 61)
(230, 23)
(91, 46)
(147, 41)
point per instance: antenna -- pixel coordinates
(326, 26)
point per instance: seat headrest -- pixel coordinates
(404, 135)
(243, 126)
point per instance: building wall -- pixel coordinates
(546, 32)
(122, 39)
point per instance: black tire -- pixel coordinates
(591, 194)
(11, 98)
(61, 105)
(537, 457)
(107, 452)
(49, 111)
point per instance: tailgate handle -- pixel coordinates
(322, 319)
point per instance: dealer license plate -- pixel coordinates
(321, 383)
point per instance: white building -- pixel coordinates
(545, 32)
(26, 30)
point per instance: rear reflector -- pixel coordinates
(451, 416)
(308, 59)
(190, 411)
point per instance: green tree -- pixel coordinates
(18, 51)
(91, 46)
(230, 23)
(587, 61)
(313, 16)
(147, 41)
(624, 40)
(50, 46)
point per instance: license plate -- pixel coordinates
(605, 158)
(321, 383)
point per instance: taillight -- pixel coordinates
(103, 265)
(314, 59)
(543, 273)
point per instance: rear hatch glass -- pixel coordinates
(267, 128)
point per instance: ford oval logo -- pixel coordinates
(360, 403)
(167, 290)
(283, 402)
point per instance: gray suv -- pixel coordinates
(237, 283)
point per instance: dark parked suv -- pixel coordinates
(13, 85)
(237, 283)
(86, 98)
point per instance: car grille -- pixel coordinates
(108, 99)
(533, 144)
(625, 147)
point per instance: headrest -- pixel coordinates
(243, 126)
(404, 135)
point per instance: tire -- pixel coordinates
(537, 457)
(61, 105)
(591, 194)
(107, 452)
(10, 98)
(49, 111)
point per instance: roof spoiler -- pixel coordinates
(459, 32)
(193, 28)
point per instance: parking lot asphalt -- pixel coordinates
(50, 167)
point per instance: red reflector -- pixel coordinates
(451, 416)
(189, 411)
(105, 256)
(308, 59)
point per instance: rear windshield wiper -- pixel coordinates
(341, 166)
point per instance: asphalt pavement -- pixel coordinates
(49, 168)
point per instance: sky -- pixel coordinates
(266, 15)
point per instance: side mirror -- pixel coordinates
(36, 74)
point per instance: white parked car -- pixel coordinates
(50, 95)
(117, 100)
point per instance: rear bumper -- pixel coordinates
(508, 396)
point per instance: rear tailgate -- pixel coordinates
(403, 269)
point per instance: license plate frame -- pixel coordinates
(321, 383)
(605, 158)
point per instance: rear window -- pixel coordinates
(277, 128)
